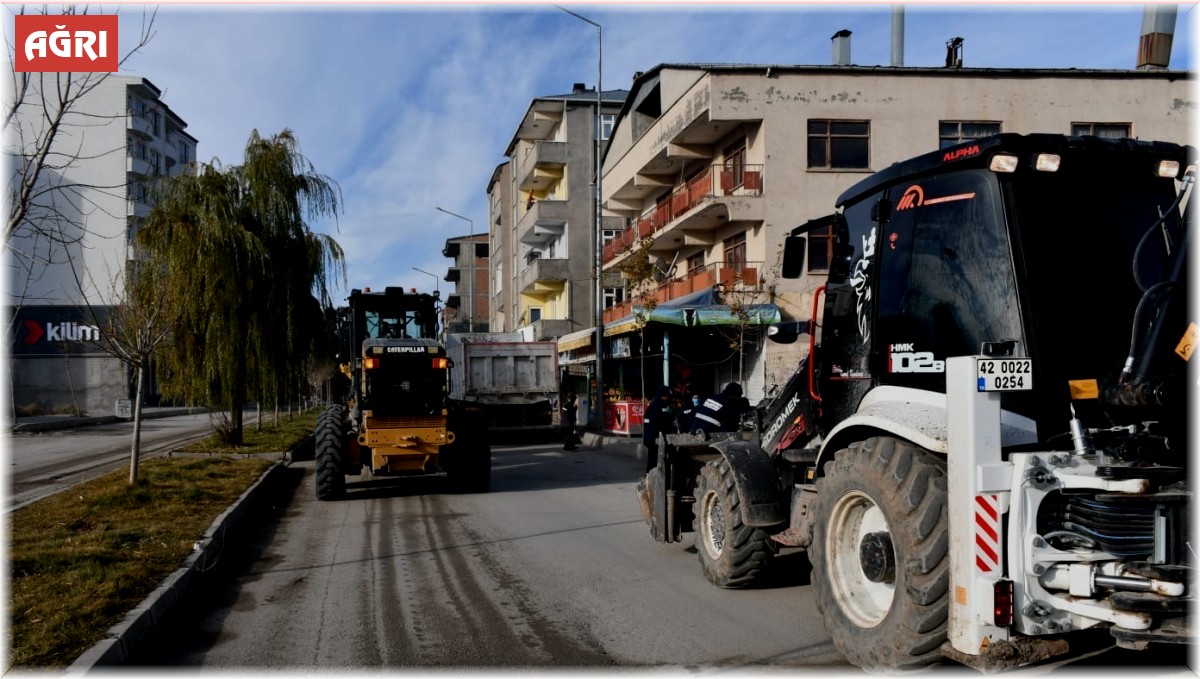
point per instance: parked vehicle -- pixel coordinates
(514, 382)
(985, 450)
(400, 418)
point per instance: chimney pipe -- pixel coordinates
(1158, 31)
(841, 48)
(897, 35)
(954, 53)
(579, 87)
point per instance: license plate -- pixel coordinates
(1005, 374)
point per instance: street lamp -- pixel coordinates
(436, 292)
(598, 404)
(471, 265)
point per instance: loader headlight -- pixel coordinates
(1003, 162)
(1047, 162)
(1168, 168)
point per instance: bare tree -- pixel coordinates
(140, 321)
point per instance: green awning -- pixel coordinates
(711, 314)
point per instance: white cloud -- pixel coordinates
(411, 107)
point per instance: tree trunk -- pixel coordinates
(136, 447)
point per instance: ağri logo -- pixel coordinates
(66, 43)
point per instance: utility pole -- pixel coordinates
(471, 268)
(597, 409)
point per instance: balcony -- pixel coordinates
(541, 165)
(743, 277)
(717, 196)
(543, 272)
(139, 124)
(135, 165)
(543, 221)
(553, 328)
(453, 275)
(133, 208)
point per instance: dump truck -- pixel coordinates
(984, 452)
(399, 418)
(513, 381)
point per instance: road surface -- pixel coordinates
(41, 464)
(553, 568)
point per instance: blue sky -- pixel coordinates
(410, 107)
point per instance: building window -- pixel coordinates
(838, 144)
(735, 164)
(695, 263)
(608, 234)
(953, 132)
(735, 252)
(613, 297)
(607, 120)
(1105, 130)
(820, 249)
(535, 314)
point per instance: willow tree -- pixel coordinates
(235, 248)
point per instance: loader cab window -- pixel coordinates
(946, 281)
(393, 325)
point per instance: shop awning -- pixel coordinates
(576, 340)
(716, 314)
(696, 310)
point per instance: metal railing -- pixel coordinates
(715, 181)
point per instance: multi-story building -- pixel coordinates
(467, 308)
(68, 256)
(542, 219)
(711, 166)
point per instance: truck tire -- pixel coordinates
(732, 554)
(880, 554)
(330, 452)
(470, 458)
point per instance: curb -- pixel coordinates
(123, 638)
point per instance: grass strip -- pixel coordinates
(83, 558)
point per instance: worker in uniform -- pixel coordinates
(567, 413)
(687, 408)
(719, 412)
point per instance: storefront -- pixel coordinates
(691, 344)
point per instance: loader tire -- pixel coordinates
(330, 453)
(880, 554)
(732, 554)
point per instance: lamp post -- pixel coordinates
(598, 404)
(471, 265)
(436, 292)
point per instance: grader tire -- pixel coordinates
(330, 453)
(732, 554)
(880, 554)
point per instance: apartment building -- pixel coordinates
(542, 219)
(468, 307)
(68, 257)
(710, 166)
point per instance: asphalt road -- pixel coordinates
(43, 464)
(553, 569)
